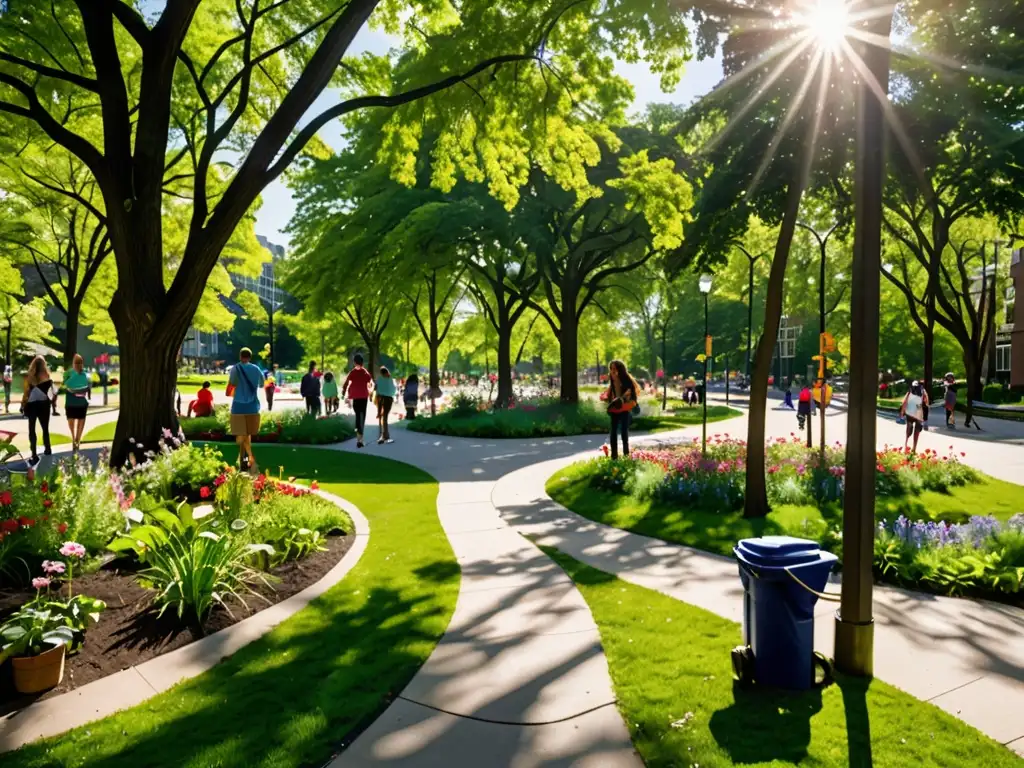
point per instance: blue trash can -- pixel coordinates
(778, 613)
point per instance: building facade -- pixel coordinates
(203, 349)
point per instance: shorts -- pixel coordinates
(914, 426)
(76, 411)
(243, 424)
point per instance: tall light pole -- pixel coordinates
(705, 288)
(855, 630)
(750, 301)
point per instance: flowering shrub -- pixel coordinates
(981, 556)
(288, 426)
(794, 473)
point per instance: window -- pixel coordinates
(1011, 293)
(1003, 358)
(788, 334)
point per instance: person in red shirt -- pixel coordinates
(357, 387)
(203, 404)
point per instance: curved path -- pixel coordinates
(520, 675)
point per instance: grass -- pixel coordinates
(104, 433)
(550, 420)
(289, 699)
(719, 532)
(671, 671)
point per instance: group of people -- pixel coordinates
(39, 402)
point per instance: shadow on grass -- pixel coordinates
(763, 725)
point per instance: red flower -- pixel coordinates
(27, 522)
(9, 526)
(220, 480)
(45, 487)
(204, 492)
(6, 498)
(47, 503)
(62, 528)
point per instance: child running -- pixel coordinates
(386, 392)
(357, 387)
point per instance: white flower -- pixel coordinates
(239, 525)
(205, 510)
(210, 535)
(134, 515)
(261, 548)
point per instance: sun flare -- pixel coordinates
(828, 22)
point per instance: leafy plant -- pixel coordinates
(29, 631)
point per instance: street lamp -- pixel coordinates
(272, 306)
(750, 301)
(705, 288)
(854, 639)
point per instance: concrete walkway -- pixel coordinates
(520, 674)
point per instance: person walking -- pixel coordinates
(309, 388)
(385, 387)
(803, 411)
(912, 410)
(243, 386)
(8, 380)
(76, 401)
(357, 387)
(269, 387)
(37, 402)
(330, 391)
(790, 387)
(411, 395)
(949, 399)
(621, 397)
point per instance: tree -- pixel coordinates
(21, 322)
(635, 208)
(65, 242)
(153, 107)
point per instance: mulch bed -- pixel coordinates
(129, 633)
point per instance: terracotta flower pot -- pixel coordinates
(33, 674)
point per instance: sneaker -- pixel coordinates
(359, 444)
(389, 441)
(48, 452)
(380, 441)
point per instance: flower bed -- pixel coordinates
(967, 553)
(137, 539)
(291, 426)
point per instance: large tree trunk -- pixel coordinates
(569, 352)
(756, 504)
(972, 362)
(504, 363)
(71, 322)
(148, 380)
(940, 238)
(434, 377)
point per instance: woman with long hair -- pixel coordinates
(76, 400)
(622, 398)
(36, 402)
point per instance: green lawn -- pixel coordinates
(289, 699)
(672, 675)
(104, 433)
(719, 532)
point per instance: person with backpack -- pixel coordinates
(243, 388)
(912, 410)
(309, 388)
(357, 387)
(803, 411)
(36, 402)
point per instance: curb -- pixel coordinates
(135, 685)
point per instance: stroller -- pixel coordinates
(11, 459)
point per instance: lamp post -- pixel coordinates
(854, 639)
(271, 307)
(705, 288)
(750, 301)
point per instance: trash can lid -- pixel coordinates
(778, 551)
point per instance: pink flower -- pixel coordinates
(204, 492)
(73, 549)
(53, 566)
(40, 582)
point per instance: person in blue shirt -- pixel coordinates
(244, 384)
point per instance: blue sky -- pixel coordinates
(278, 206)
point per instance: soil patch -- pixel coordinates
(129, 632)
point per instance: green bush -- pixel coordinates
(290, 426)
(994, 393)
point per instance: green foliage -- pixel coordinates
(290, 426)
(31, 630)
(86, 502)
(173, 471)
